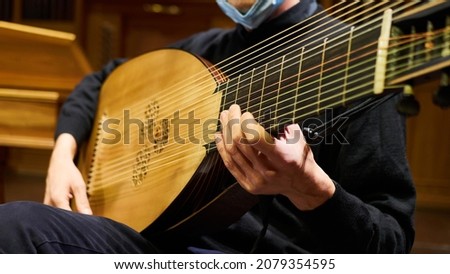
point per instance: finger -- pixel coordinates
(226, 134)
(253, 131)
(256, 135)
(234, 167)
(245, 154)
(46, 198)
(81, 200)
(250, 166)
(260, 141)
(293, 134)
(62, 203)
(256, 159)
(234, 126)
(226, 157)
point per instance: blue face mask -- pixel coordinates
(257, 14)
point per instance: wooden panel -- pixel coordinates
(55, 14)
(34, 58)
(432, 231)
(27, 118)
(3, 156)
(38, 69)
(429, 147)
(25, 174)
(127, 29)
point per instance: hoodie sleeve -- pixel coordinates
(78, 111)
(372, 208)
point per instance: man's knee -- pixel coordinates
(21, 213)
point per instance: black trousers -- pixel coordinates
(30, 227)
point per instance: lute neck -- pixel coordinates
(309, 74)
(306, 76)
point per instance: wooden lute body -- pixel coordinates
(141, 171)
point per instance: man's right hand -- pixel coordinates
(64, 181)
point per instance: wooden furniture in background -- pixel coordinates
(116, 28)
(38, 69)
(429, 147)
(3, 157)
(62, 15)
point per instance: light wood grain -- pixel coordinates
(176, 82)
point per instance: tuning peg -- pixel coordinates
(441, 97)
(408, 105)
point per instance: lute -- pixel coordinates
(151, 161)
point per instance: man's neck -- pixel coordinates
(286, 5)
